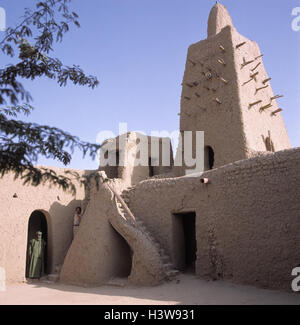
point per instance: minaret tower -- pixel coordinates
(227, 94)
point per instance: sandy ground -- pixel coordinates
(187, 290)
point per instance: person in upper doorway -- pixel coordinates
(77, 220)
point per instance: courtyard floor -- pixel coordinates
(186, 290)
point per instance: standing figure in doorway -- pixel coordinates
(77, 220)
(36, 252)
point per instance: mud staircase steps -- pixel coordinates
(169, 270)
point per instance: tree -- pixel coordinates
(21, 143)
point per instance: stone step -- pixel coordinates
(165, 258)
(53, 277)
(57, 269)
(142, 228)
(172, 273)
(157, 245)
(152, 239)
(168, 266)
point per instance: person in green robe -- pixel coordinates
(36, 251)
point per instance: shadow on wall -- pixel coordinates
(269, 142)
(98, 252)
(57, 228)
(61, 230)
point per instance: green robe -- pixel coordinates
(36, 258)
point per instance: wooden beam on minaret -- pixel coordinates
(240, 45)
(276, 97)
(263, 108)
(266, 80)
(255, 103)
(256, 67)
(276, 112)
(261, 88)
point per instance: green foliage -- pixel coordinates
(22, 143)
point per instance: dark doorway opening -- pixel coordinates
(37, 222)
(185, 241)
(209, 158)
(124, 255)
(115, 169)
(151, 168)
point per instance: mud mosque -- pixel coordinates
(149, 223)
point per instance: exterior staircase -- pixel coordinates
(169, 270)
(150, 265)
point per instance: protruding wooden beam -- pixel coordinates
(187, 98)
(218, 101)
(245, 63)
(276, 112)
(240, 45)
(261, 88)
(222, 48)
(258, 64)
(276, 97)
(224, 80)
(258, 57)
(192, 62)
(253, 76)
(255, 103)
(221, 61)
(265, 107)
(266, 80)
(246, 82)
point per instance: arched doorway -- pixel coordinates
(124, 255)
(38, 222)
(209, 158)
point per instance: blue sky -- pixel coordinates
(137, 49)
